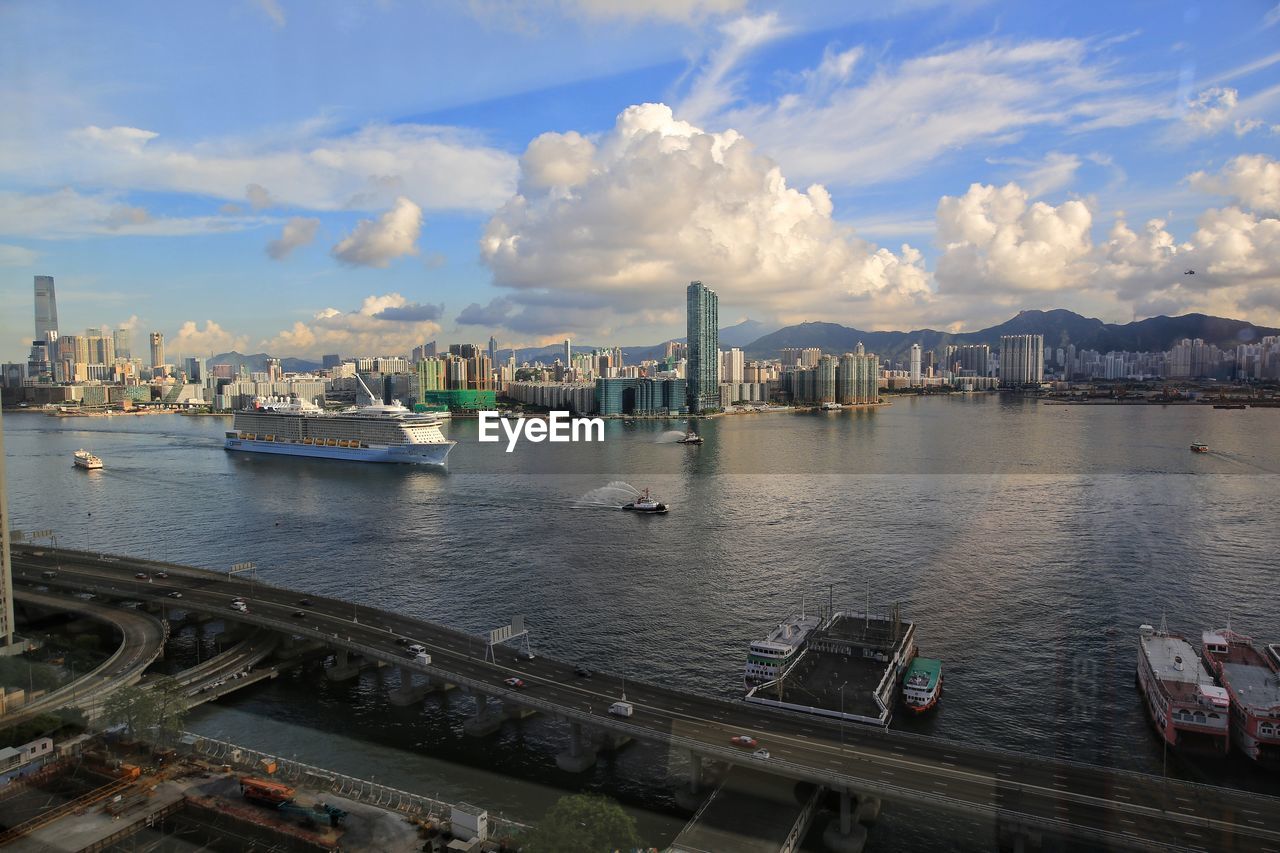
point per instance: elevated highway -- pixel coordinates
(1102, 806)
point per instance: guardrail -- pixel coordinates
(319, 778)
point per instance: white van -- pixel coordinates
(621, 709)
(415, 650)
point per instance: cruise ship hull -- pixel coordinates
(414, 454)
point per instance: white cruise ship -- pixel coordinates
(770, 657)
(376, 433)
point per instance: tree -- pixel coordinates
(160, 706)
(583, 824)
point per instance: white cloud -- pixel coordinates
(675, 10)
(68, 213)
(714, 88)
(16, 256)
(1211, 110)
(306, 167)
(1252, 180)
(376, 243)
(298, 231)
(192, 340)
(870, 124)
(273, 10)
(658, 202)
(1272, 17)
(375, 327)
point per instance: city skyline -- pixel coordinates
(1086, 166)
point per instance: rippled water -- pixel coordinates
(1027, 541)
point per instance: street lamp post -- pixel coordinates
(842, 717)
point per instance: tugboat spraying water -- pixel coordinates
(645, 503)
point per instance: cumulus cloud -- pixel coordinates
(191, 339)
(496, 313)
(1211, 109)
(386, 324)
(258, 196)
(997, 247)
(16, 256)
(298, 231)
(377, 242)
(1252, 180)
(609, 229)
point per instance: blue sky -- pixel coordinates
(358, 177)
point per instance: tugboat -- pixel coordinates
(85, 459)
(1199, 447)
(644, 503)
(690, 437)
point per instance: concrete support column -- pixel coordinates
(843, 835)
(580, 756)
(486, 720)
(846, 812)
(343, 666)
(695, 772)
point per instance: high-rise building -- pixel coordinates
(568, 353)
(196, 371)
(157, 349)
(968, 359)
(122, 341)
(46, 306)
(915, 364)
(328, 362)
(6, 570)
(1021, 360)
(732, 366)
(703, 315)
(493, 350)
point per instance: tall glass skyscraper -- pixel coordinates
(703, 310)
(46, 307)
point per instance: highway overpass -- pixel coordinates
(1102, 806)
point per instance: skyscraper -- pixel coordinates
(123, 342)
(493, 350)
(703, 314)
(46, 307)
(1021, 360)
(568, 353)
(157, 349)
(915, 364)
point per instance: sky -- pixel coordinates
(360, 177)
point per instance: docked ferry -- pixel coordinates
(375, 433)
(770, 657)
(1252, 681)
(1185, 705)
(922, 685)
(84, 459)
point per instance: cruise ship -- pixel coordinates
(1185, 705)
(770, 657)
(375, 433)
(1252, 681)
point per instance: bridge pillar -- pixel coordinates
(485, 721)
(842, 834)
(868, 809)
(695, 772)
(408, 692)
(579, 756)
(343, 668)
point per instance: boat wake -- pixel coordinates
(612, 496)
(670, 436)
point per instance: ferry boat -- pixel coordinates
(84, 459)
(1199, 447)
(922, 685)
(770, 657)
(644, 503)
(1185, 706)
(690, 437)
(374, 433)
(1252, 681)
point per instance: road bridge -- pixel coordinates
(1102, 806)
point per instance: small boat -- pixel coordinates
(644, 503)
(690, 437)
(1199, 447)
(922, 685)
(1228, 405)
(85, 459)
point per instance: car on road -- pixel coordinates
(85, 596)
(299, 614)
(514, 682)
(582, 672)
(521, 656)
(161, 575)
(104, 558)
(305, 602)
(760, 753)
(142, 576)
(175, 594)
(621, 709)
(402, 641)
(240, 607)
(743, 740)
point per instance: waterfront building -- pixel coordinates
(1021, 360)
(732, 366)
(195, 369)
(915, 364)
(968, 359)
(576, 397)
(46, 306)
(644, 396)
(702, 315)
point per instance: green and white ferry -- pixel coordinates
(922, 685)
(769, 658)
